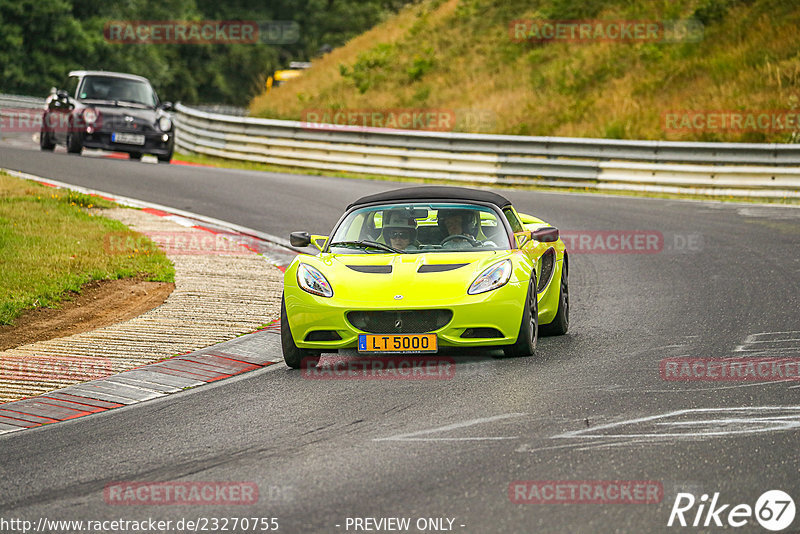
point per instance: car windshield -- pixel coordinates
(117, 89)
(420, 227)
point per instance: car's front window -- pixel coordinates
(117, 89)
(420, 227)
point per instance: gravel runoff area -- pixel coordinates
(222, 290)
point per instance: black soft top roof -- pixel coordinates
(433, 192)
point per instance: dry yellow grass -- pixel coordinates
(458, 55)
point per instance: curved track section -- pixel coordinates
(597, 404)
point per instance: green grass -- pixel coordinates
(52, 241)
(459, 55)
(254, 166)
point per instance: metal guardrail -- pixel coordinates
(730, 169)
(17, 101)
(739, 169)
(14, 112)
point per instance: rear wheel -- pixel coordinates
(135, 155)
(560, 324)
(528, 328)
(294, 356)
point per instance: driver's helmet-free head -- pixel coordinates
(399, 223)
(469, 220)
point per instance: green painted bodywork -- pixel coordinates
(501, 308)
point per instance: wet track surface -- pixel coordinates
(591, 405)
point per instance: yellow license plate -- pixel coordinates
(397, 343)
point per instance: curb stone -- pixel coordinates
(245, 291)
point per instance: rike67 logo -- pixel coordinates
(774, 510)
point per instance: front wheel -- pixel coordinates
(165, 158)
(74, 142)
(529, 327)
(135, 155)
(560, 323)
(45, 142)
(294, 356)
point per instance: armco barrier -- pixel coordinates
(16, 101)
(730, 169)
(11, 104)
(739, 169)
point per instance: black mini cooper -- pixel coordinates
(110, 111)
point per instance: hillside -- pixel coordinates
(461, 56)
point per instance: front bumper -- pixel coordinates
(154, 143)
(500, 309)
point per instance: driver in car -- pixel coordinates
(400, 230)
(458, 222)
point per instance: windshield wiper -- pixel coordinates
(367, 244)
(117, 101)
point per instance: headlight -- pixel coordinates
(89, 115)
(165, 124)
(497, 275)
(311, 280)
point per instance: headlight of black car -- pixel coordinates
(165, 124)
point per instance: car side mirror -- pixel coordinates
(299, 239)
(167, 106)
(548, 234)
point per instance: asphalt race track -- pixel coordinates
(590, 406)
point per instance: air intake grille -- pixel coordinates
(548, 263)
(323, 335)
(477, 333)
(400, 322)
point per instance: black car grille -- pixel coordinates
(399, 322)
(118, 124)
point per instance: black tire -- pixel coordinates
(528, 328)
(74, 142)
(45, 142)
(165, 159)
(295, 358)
(560, 324)
(135, 155)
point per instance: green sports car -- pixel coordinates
(412, 270)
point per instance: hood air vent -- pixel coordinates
(372, 269)
(440, 267)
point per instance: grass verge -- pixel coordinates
(52, 241)
(461, 56)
